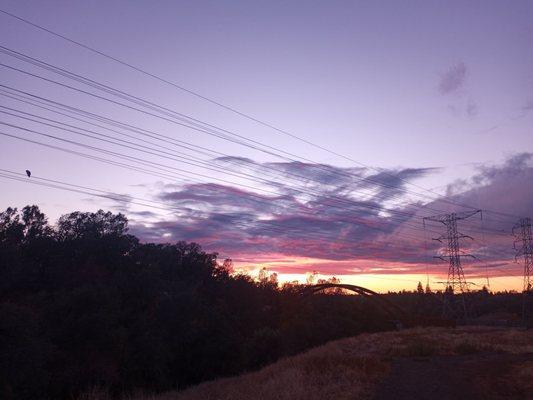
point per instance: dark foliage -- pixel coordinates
(84, 304)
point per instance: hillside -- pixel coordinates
(473, 362)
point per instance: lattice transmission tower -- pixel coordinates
(452, 253)
(524, 248)
(456, 278)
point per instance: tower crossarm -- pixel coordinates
(443, 218)
(458, 236)
(446, 257)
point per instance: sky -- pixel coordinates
(380, 114)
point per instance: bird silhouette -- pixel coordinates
(28, 172)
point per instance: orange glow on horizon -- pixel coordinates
(367, 273)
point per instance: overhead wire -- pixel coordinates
(145, 202)
(71, 87)
(135, 99)
(225, 181)
(496, 212)
(352, 220)
(266, 124)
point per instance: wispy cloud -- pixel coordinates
(318, 211)
(346, 216)
(471, 109)
(454, 79)
(453, 86)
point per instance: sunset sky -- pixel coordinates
(380, 114)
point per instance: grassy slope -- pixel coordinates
(351, 368)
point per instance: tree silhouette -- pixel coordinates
(84, 304)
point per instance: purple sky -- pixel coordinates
(440, 93)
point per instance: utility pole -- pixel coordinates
(524, 248)
(452, 253)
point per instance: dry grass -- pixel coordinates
(323, 373)
(350, 368)
(522, 376)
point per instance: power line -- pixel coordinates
(66, 86)
(266, 124)
(138, 201)
(151, 133)
(120, 103)
(113, 196)
(221, 105)
(359, 204)
(154, 107)
(186, 157)
(241, 174)
(78, 133)
(201, 130)
(408, 205)
(356, 221)
(70, 130)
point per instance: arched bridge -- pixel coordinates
(396, 313)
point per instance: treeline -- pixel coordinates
(476, 307)
(83, 304)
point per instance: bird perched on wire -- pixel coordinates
(28, 172)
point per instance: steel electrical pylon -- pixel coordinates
(452, 253)
(524, 248)
(524, 238)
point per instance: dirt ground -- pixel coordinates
(491, 376)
